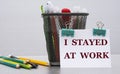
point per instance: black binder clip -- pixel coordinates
(68, 32)
(99, 31)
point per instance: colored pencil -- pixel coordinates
(12, 59)
(20, 62)
(9, 63)
(32, 64)
(39, 62)
(26, 66)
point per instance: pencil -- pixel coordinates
(28, 62)
(33, 65)
(39, 62)
(9, 63)
(25, 66)
(11, 56)
(13, 59)
(16, 61)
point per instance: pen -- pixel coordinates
(9, 63)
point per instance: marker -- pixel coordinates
(12, 59)
(39, 62)
(9, 63)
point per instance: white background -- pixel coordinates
(21, 25)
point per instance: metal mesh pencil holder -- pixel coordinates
(53, 22)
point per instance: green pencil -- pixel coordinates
(16, 61)
(13, 59)
(28, 62)
(26, 66)
(9, 63)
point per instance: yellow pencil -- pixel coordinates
(39, 62)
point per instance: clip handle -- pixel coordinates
(99, 31)
(68, 32)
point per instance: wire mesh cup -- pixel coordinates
(53, 22)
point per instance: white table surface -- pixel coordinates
(57, 70)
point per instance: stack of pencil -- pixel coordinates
(21, 62)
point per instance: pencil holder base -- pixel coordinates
(54, 63)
